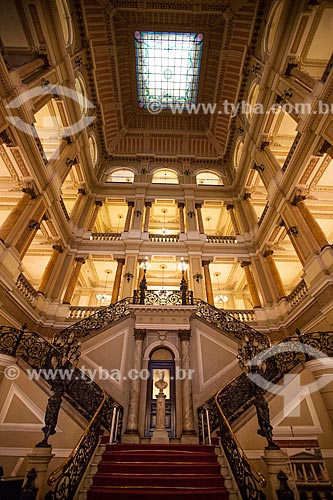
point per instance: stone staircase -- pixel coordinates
(143, 471)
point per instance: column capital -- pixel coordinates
(181, 205)
(298, 198)
(33, 224)
(258, 168)
(130, 204)
(245, 263)
(268, 252)
(99, 203)
(80, 260)
(230, 206)
(246, 196)
(184, 335)
(205, 262)
(290, 67)
(148, 204)
(121, 260)
(58, 247)
(139, 334)
(197, 205)
(81, 191)
(30, 191)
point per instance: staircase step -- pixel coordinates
(164, 447)
(153, 467)
(147, 480)
(142, 471)
(105, 493)
(158, 456)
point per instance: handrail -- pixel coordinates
(226, 322)
(103, 317)
(279, 363)
(245, 474)
(70, 472)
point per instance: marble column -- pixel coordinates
(130, 206)
(13, 217)
(134, 398)
(188, 415)
(250, 282)
(24, 241)
(181, 207)
(301, 76)
(268, 254)
(75, 210)
(311, 222)
(148, 205)
(49, 268)
(208, 282)
(117, 280)
(98, 205)
(230, 209)
(250, 212)
(199, 218)
(79, 261)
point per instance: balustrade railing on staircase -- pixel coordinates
(85, 395)
(163, 297)
(297, 294)
(237, 396)
(104, 316)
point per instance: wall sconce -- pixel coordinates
(197, 277)
(191, 214)
(293, 230)
(128, 276)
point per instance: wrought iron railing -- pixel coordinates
(96, 322)
(163, 297)
(236, 397)
(105, 236)
(227, 323)
(24, 286)
(164, 238)
(297, 294)
(221, 239)
(87, 397)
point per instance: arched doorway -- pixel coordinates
(161, 359)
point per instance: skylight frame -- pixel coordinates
(167, 68)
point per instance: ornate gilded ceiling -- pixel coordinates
(228, 30)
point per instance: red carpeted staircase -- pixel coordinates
(141, 471)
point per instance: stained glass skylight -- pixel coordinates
(167, 68)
